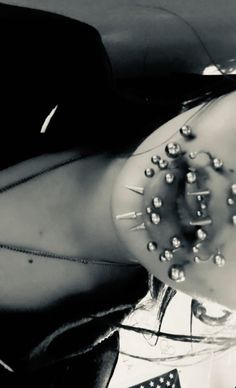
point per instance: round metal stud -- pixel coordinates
(157, 202)
(175, 241)
(217, 163)
(197, 259)
(233, 188)
(149, 172)
(148, 210)
(155, 159)
(195, 249)
(234, 219)
(163, 258)
(203, 206)
(176, 273)
(201, 234)
(163, 164)
(155, 218)
(166, 255)
(152, 246)
(230, 201)
(173, 150)
(199, 213)
(191, 177)
(200, 198)
(169, 178)
(219, 260)
(186, 131)
(192, 155)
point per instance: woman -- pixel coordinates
(82, 226)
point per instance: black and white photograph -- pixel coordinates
(118, 194)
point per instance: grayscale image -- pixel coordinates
(118, 194)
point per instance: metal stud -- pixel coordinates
(201, 234)
(155, 159)
(233, 188)
(163, 164)
(169, 178)
(175, 241)
(219, 259)
(200, 198)
(197, 259)
(173, 150)
(217, 163)
(157, 202)
(166, 256)
(155, 218)
(149, 172)
(152, 246)
(148, 210)
(199, 213)
(234, 219)
(186, 131)
(176, 273)
(195, 249)
(191, 177)
(193, 154)
(230, 201)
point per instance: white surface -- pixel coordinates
(208, 371)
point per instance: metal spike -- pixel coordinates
(200, 222)
(135, 189)
(138, 227)
(129, 216)
(200, 192)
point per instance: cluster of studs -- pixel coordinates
(168, 254)
(173, 150)
(155, 218)
(161, 163)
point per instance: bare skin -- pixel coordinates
(73, 211)
(67, 212)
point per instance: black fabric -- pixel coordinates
(22, 331)
(47, 60)
(92, 370)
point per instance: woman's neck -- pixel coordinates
(95, 232)
(67, 210)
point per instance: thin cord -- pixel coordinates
(52, 255)
(46, 170)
